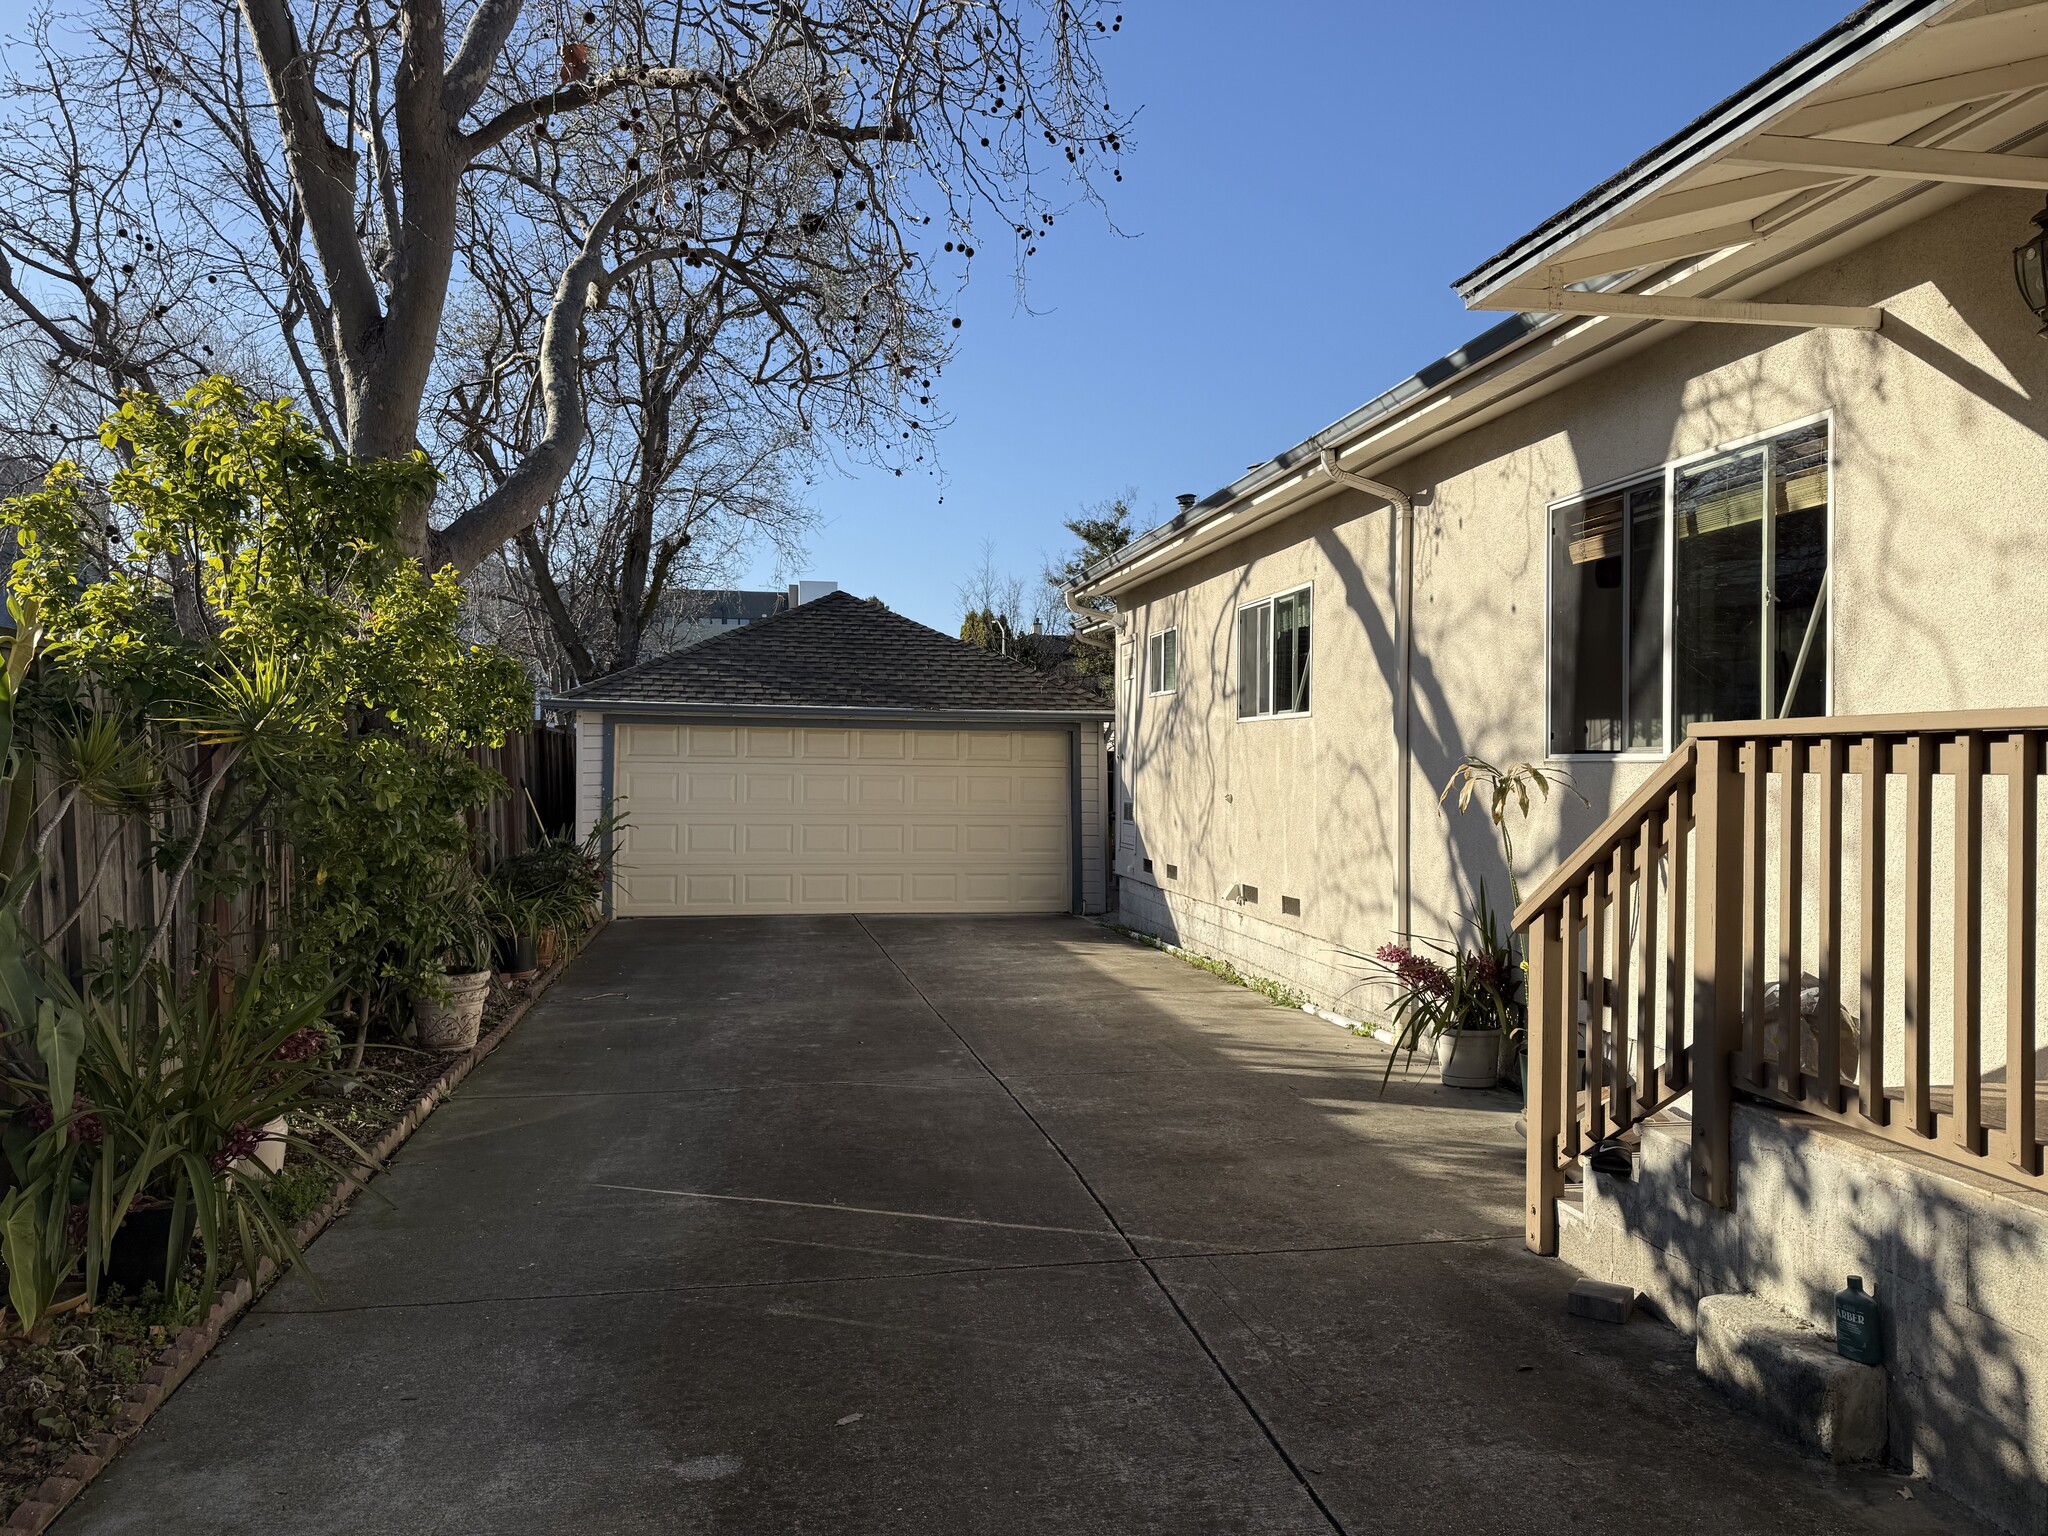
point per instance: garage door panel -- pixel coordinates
(881, 746)
(826, 746)
(825, 789)
(650, 743)
(712, 788)
(645, 890)
(1043, 791)
(770, 788)
(989, 837)
(770, 837)
(768, 890)
(934, 791)
(935, 837)
(704, 837)
(826, 890)
(878, 837)
(875, 789)
(806, 819)
(652, 789)
(711, 889)
(939, 888)
(992, 791)
(881, 888)
(656, 837)
(1041, 838)
(714, 741)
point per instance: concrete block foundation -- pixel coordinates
(1957, 1260)
(1775, 1366)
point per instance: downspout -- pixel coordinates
(1094, 616)
(1404, 605)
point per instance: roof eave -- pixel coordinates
(705, 707)
(1835, 51)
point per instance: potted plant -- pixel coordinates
(452, 988)
(516, 923)
(1463, 1008)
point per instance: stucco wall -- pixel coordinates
(1938, 599)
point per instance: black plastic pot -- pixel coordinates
(136, 1256)
(517, 956)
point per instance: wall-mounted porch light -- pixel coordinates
(2030, 269)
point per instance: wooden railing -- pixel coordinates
(1761, 916)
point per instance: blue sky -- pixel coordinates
(1306, 178)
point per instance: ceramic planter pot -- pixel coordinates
(452, 1025)
(1469, 1058)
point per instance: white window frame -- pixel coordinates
(1159, 638)
(1237, 651)
(1824, 643)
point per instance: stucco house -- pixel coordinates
(1737, 521)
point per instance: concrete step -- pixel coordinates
(1787, 1373)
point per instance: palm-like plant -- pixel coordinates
(256, 711)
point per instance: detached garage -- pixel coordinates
(842, 758)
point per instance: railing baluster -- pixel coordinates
(1548, 1041)
(1919, 879)
(2021, 906)
(1870, 1040)
(1791, 915)
(1756, 763)
(1675, 826)
(1828, 1059)
(1570, 1072)
(1968, 1124)
(1646, 988)
(1620, 1097)
(1716, 967)
(1596, 1004)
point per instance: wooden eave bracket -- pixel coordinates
(1659, 306)
(1903, 161)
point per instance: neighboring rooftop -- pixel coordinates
(839, 652)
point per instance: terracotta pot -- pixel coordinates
(452, 1025)
(1469, 1058)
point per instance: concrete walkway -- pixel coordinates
(947, 1226)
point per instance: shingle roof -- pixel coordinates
(839, 652)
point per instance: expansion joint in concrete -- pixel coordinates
(1223, 1372)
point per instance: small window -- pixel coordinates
(1244, 895)
(1273, 656)
(1148, 866)
(1173, 871)
(1290, 906)
(1162, 662)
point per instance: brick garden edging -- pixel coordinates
(179, 1358)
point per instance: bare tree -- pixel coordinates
(339, 170)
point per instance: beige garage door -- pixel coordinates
(800, 819)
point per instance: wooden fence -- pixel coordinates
(1840, 915)
(97, 870)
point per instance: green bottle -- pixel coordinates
(1859, 1325)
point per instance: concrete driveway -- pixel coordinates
(954, 1226)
